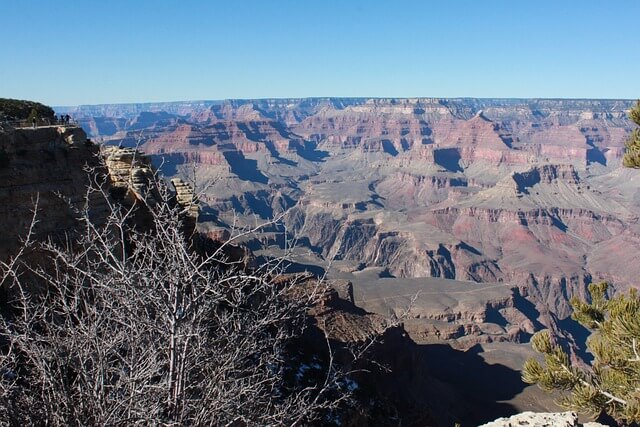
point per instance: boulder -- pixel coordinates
(542, 419)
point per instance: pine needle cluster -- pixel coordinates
(631, 157)
(612, 383)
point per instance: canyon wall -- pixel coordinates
(528, 193)
(43, 169)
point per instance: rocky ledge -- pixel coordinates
(43, 169)
(542, 419)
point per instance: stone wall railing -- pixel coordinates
(5, 124)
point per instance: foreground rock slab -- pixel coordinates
(541, 419)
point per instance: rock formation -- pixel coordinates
(43, 168)
(533, 419)
(130, 174)
(522, 192)
(133, 178)
(185, 196)
(50, 168)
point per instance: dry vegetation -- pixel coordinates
(132, 326)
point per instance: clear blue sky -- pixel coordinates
(86, 52)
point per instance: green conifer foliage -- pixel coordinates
(16, 109)
(632, 154)
(612, 383)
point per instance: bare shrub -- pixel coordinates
(129, 325)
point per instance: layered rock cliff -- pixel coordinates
(43, 169)
(46, 171)
(522, 192)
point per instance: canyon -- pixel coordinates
(527, 193)
(471, 222)
(47, 170)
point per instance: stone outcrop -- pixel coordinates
(130, 173)
(133, 178)
(50, 168)
(185, 196)
(533, 419)
(44, 169)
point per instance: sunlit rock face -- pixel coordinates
(528, 193)
(542, 419)
(44, 170)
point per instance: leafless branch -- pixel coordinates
(130, 325)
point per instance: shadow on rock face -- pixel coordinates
(448, 158)
(476, 389)
(309, 151)
(577, 336)
(245, 169)
(389, 148)
(167, 163)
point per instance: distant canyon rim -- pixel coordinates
(494, 212)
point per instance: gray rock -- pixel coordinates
(541, 419)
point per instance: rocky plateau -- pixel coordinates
(473, 220)
(527, 193)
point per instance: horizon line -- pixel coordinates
(221, 100)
